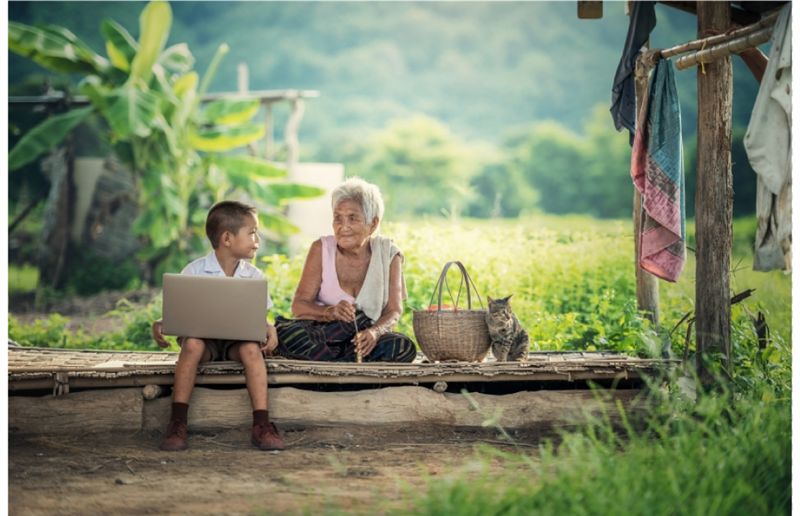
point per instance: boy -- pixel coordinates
(232, 228)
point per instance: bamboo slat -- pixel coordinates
(766, 22)
(722, 50)
(36, 368)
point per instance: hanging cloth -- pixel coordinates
(768, 143)
(657, 172)
(623, 93)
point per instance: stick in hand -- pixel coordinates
(355, 325)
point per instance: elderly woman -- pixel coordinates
(351, 292)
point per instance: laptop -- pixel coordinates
(214, 307)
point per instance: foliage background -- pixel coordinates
(507, 101)
(458, 109)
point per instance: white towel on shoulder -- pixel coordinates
(374, 292)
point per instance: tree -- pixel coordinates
(572, 173)
(421, 167)
(608, 167)
(150, 97)
(553, 160)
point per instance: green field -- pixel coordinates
(571, 278)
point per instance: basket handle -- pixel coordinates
(464, 279)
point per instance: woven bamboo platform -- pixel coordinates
(60, 369)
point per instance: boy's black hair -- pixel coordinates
(226, 216)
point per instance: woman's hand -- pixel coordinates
(155, 329)
(365, 341)
(343, 311)
(271, 342)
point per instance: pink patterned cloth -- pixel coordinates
(657, 172)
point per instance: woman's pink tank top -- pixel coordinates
(330, 292)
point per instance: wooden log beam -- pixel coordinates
(213, 409)
(714, 199)
(734, 46)
(765, 23)
(81, 412)
(124, 410)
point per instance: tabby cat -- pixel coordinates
(509, 340)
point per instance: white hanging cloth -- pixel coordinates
(768, 143)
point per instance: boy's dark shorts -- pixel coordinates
(219, 348)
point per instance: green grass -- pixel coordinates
(54, 331)
(22, 278)
(718, 456)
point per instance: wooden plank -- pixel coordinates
(299, 378)
(212, 409)
(89, 411)
(714, 198)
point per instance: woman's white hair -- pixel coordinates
(367, 195)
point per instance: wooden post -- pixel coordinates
(646, 283)
(590, 10)
(290, 134)
(714, 198)
(269, 146)
(243, 85)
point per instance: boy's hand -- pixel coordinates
(271, 342)
(157, 335)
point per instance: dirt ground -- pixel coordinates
(355, 470)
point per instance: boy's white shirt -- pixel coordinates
(208, 265)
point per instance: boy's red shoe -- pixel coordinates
(175, 438)
(266, 437)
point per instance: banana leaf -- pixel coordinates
(169, 199)
(98, 93)
(277, 194)
(230, 111)
(211, 71)
(226, 138)
(161, 86)
(248, 168)
(154, 24)
(54, 48)
(45, 136)
(177, 58)
(275, 225)
(185, 90)
(282, 193)
(131, 111)
(186, 84)
(120, 45)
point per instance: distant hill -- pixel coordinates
(481, 68)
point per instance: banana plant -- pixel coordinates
(183, 153)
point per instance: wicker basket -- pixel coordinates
(453, 334)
